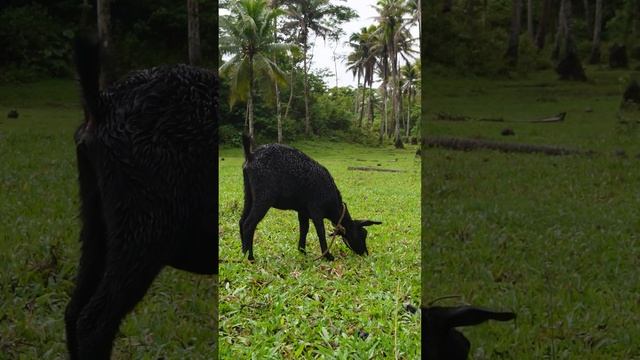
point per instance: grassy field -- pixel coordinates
(39, 243)
(556, 239)
(288, 305)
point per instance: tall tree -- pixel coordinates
(530, 19)
(543, 23)
(312, 16)
(587, 16)
(274, 5)
(390, 17)
(514, 37)
(247, 35)
(104, 33)
(594, 58)
(410, 74)
(193, 25)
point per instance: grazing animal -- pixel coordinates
(285, 178)
(147, 163)
(440, 338)
(13, 114)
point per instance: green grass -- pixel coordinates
(288, 305)
(38, 218)
(556, 239)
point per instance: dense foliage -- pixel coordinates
(257, 54)
(36, 35)
(472, 36)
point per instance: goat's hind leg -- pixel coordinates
(126, 280)
(93, 252)
(258, 211)
(303, 219)
(248, 203)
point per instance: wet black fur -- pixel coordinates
(147, 163)
(440, 339)
(285, 178)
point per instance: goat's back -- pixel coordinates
(288, 173)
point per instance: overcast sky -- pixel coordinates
(323, 51)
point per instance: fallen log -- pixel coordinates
(366, 168)
(463, 144)
(556, 118)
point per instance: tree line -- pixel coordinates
(265, 49)
(499, 37)
(37, 34)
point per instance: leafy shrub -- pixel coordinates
(35, 44)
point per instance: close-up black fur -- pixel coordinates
(440, 339)
(147, 162)
(284, 178)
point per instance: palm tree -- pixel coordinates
(381, 52)
(361, 61)
(410, 74)
(354, 62)
(247, 35)
(369, 62)
(392, 28)
(309, 16)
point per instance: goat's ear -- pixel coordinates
(369, 222)
(469, 315)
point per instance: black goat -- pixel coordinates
(285, 178)
(440, 339)
(147, 163)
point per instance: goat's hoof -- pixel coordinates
(251, 258)
(302, 250)
(329, 257)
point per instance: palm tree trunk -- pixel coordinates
(555, 54)
(409, 112)
(371, 104)
(397, 97)
(364, 88)
(512, 48)
(543, 24)
(193, 25)
(278, 113)
(383, 119)
(286, 110)
(530, 19)
(307, 121)
(355, 103)
(587, 17)
(594, 58)
(250, 101)
(104, 33)
(274, 4)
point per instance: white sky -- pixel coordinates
(323, 50)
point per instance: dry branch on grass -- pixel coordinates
(475, 144)
(366, 168)
(550, 119)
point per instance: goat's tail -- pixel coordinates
(246, 144)
(86, 56)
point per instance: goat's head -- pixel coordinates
(356, 235)
(441, 338)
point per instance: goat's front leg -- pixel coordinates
(127, 277)
(303, 219)
(319, 224)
